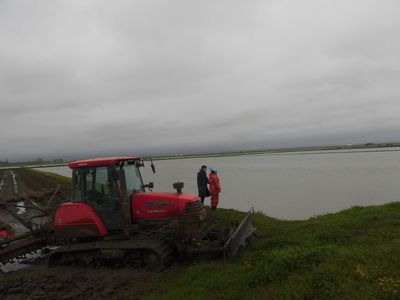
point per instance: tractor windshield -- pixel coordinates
(133, 179)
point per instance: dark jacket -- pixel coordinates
(202, 182)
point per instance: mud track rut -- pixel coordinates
(10, 184)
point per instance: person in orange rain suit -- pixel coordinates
(215, 188)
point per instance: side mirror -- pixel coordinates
(139, 164)
(150, 185)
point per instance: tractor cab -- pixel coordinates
(101, 185)
(108, 194)
(106, 184)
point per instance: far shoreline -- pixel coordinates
(370, 147)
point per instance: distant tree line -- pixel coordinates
(38, 160)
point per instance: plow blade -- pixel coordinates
(240, 239)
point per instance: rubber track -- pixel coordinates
(162, 249)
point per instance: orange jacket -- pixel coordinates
(215, 187)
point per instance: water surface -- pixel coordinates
(289, 186)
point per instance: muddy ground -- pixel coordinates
(72, 282)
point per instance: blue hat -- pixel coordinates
(212, 169)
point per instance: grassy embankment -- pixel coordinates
(61, 179)
(353, 254)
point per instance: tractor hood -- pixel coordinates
(161, 205)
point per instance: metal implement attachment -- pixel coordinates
(28, 224)
(29, 242)
(240, 239)
(35, 239)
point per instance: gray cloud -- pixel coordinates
(82, 78)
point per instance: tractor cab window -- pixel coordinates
(133, 179)
(98, 188)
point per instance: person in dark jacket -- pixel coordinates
(202, 182)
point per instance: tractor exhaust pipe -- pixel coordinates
(178, 186)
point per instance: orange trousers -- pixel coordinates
(214, 200)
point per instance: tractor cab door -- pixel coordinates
(133, 179)
(100, 190)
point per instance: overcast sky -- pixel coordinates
(81, 78)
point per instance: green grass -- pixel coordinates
(353, 254)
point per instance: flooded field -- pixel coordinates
(290, 185)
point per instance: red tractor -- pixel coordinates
(112, 219)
